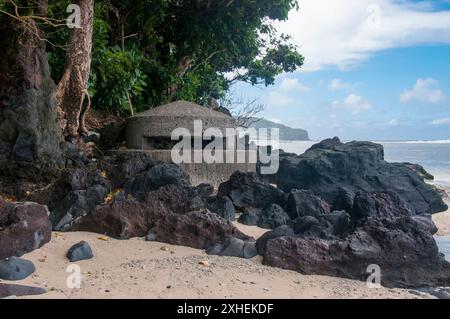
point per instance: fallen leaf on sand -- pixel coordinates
(104, 238)
(164, 248)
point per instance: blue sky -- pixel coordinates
(375, 70)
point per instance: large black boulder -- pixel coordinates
(247, 190)
(234, 247)
(80, 251)
(304, 203)
(331, 166)
(222, 206)
(271, 217)
(282, 231)
(400, 243)
(157, 176)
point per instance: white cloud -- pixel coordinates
(292, 85)
(338, 84)
(276, 99)
(425, 90)
(444, 121)
(346, 32)
(353, 103)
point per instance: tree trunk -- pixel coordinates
(71, 93)
(183, 66)
(28, 116)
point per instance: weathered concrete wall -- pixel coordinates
(140, 127)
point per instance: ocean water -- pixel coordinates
(443, 243)
(434, 156)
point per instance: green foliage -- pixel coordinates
(217, 37)
(118, 75)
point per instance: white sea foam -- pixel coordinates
(415, 142)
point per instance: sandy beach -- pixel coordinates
(139, 269)
(442, 220)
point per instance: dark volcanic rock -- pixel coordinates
(270, 217)
(121, 167)
(195, 229)
(277, 232)
(340, 221)
(14, 268)
(387, 204)
(344, 200)
(80, 251)
(166, 213)
(251, 217)
(420, 170)
(113, 135)
(330, 166)
(403, 247)
(79, 191)
(247, 190)
(154, 178)
(29, 130)
(234, 247)
(23, 228)
(76, 204)
(304, 203)
(222, 206)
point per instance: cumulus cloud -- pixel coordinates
(338, 84)
(353, 103)
(292, 85)
(346, 32)
(425, 90)
(444, 121)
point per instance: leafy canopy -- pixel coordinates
(144, 47)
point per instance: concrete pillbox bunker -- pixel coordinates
(151, 132)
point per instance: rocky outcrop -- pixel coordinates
(403, 248)
(29, 129)
(23, 228)
(305, 203)
(165, 215)
(380, 229)
(146, 199)
(353, 210)
(270, 217)
(330, 167)
(247, 190)
(222, 206)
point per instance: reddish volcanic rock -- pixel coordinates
(23, 228)
(403, 247)
(165, 214)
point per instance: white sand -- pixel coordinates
(139, 269)
(442, 220)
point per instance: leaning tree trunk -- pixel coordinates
(29, 131)
(71, 92)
